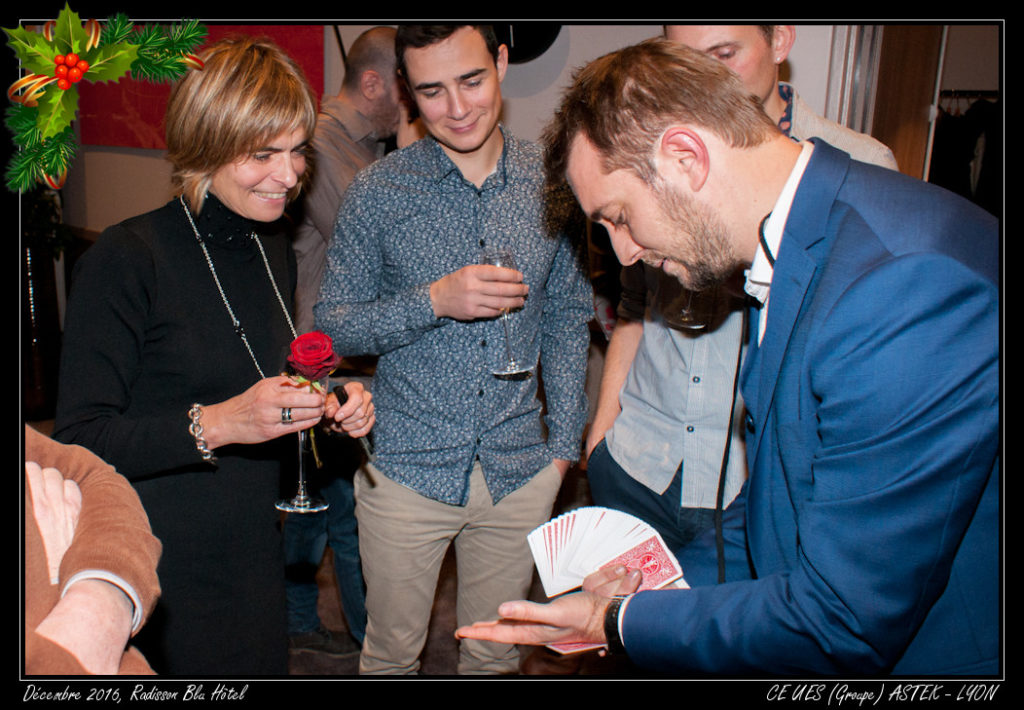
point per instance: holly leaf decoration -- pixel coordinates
(47, 94)
(110, 62)
(33, 51)
(36, 158)
(56, 110)
(68, 33)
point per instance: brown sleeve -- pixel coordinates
(44, 657)
(113, 532)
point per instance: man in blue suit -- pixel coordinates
(866, 540)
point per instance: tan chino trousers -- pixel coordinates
(403, 538)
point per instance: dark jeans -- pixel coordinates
(612, 487)
(305, 538)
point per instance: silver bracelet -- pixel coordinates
(196, 430)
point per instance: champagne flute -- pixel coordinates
(513, 370)
(689, 310)
(686, 317)
(302, 502)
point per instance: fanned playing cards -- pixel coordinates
(568, 548)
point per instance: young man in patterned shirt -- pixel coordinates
(462, 457)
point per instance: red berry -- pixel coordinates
(74, 75)
(63, 84)
(83, 65)
(71, 59)
(59, 59)
(62, 70)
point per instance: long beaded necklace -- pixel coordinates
(239, 330)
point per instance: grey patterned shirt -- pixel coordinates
(410, 219)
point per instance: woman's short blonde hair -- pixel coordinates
(248, 93)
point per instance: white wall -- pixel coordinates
(107, 185)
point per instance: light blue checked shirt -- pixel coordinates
(675, 400)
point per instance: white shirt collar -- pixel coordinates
(759, 275)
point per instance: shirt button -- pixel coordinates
(483, 243)
(480, 393)
(483, 343)
(696, 378)
(690, 428)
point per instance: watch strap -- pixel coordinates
(611, 625)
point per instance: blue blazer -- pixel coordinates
(866, 540)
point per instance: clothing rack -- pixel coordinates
(958, 99)
(969, 94)
(966, 151)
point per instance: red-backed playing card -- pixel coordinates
(652, 558)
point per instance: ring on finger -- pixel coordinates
(286, 415)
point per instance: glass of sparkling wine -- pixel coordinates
(512, 370)
(302, 502)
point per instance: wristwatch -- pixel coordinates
(611, 624)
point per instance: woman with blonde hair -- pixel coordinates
(178, 322)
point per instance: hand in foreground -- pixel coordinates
(478, 291)
(355, 416)
(613, 581)
(56, 505)
(255, 415)
(577, 617)
(93, 622)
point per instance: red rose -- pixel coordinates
(313, 356)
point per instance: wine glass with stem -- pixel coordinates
(302, 501)
(687, 317)
(686, 309)
(512, 370)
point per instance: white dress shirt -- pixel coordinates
(759, 276)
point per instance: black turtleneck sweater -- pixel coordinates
(146, 335)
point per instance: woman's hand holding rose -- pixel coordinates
(255, 415)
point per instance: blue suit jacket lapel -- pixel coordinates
(801, 253)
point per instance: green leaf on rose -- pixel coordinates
(302, 380)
